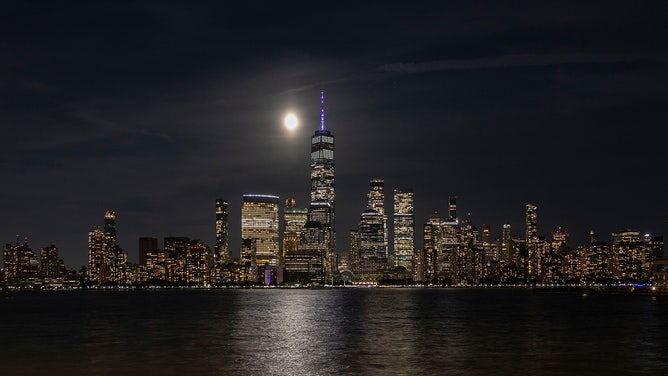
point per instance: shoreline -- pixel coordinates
(641, 290)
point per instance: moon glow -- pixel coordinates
(291, 121)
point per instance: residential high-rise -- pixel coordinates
(20, 263)
(221, 253)
(404, 228)
(97, 265)
(259, 230)
(197, 263)
(322, 207)
(50, 266)
(107, 262)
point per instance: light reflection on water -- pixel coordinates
(331, 331)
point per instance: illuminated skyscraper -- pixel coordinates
(471, 254)
(221, 254)
(506, 254)
(259, 230)
(404, 228)
(97, 268)
(433, 237)
(176, 249)
(376, 201)
(376, 196)
(110, 227)
(322, 207)
(106, 260)
(533, 254)
(372, 259)
(450, 264)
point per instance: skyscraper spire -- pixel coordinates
(322, 110)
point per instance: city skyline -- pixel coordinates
(555, 105)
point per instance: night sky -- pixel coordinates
(155, 109)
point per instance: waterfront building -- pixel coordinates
(660, 272)
(306, 264)
(549, 268)
(107, 262)
(597, 262)
(98, 270)
(404, 229)
(156, 265)
(51, 265)
(19, 264)
(259, 230)
(628, 257)
(176, 248)
(198, 263)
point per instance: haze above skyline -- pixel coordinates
(155, 109)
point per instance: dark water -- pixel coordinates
(332, 331)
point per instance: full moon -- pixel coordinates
(291, 121)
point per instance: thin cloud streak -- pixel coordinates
(522, 60)
(321, 84)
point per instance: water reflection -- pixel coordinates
(338, 331)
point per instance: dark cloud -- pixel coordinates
(110, 147)
(510, 61)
